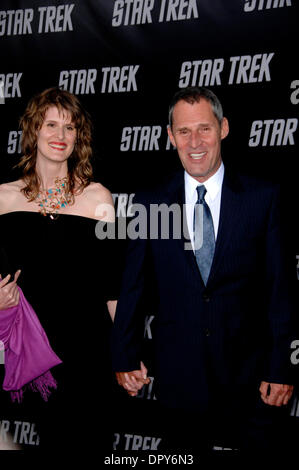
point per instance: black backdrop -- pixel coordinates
(125, 59)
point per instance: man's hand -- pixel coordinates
(276, 394)
(134, 380)
(9, 292)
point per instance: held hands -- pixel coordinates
(276, 394)
(9, 292)
(271, 393)
(133, 381)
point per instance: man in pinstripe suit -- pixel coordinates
(222, 345)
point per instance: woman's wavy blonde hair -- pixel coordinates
(79, 167)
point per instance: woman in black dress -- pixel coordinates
(48, 224)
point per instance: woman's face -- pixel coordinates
(57, 136)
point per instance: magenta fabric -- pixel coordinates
(28, 354)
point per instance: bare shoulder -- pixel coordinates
(98, 192)
(13, 186)
(9, 194)
(98, 202)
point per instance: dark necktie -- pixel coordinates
(204, 237)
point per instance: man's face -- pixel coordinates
(197, 135)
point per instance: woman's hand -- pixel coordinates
(9, 292)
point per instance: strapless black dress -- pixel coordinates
(68, 275)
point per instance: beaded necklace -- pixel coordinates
(52, 200)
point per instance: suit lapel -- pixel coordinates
(176, 195)
(230, 210)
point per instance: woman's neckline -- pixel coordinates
(48, 217)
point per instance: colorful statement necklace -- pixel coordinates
(52, 200)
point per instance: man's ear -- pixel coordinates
(224, 128)
(170, 135)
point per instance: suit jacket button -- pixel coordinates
(207, 332)
(206, 297)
